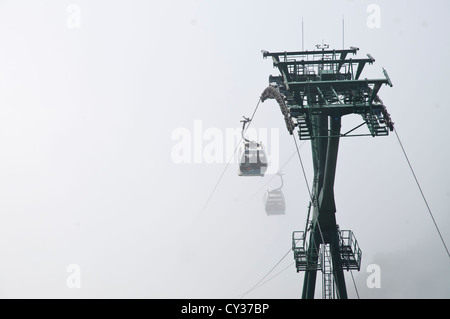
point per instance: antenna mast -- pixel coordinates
(303, 37)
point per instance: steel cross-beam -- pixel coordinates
(343, 52)
(339, 61)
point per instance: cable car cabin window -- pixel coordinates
(252, 159)
(274, 202)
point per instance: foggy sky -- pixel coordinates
(88, 109)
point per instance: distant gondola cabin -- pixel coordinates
(274, 202)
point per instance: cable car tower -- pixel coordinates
(315, 89)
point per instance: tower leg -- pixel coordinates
(338, 272)
(309, 282)
(325, 152)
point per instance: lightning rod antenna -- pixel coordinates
(303, 37)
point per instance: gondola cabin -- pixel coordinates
(274, 202)
(252, 159)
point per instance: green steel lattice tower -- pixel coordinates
(315, 89)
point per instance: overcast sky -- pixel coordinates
(96, 97)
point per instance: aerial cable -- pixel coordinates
(313, 200)
(311, 197)
(265, 282)
(354, 284)
(303, 170)
(307, 184)
(268, 273)
(260, 282)
(279, 273)
(229, 161)
(421, 192)
(275, 175)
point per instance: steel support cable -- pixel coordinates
(307, 184)
(264, 277)
(229, 161)
(277, 274)
(318, 225)
(223, 173)
(263, 283)
(270, 180)
(421, 192)
(313, 200)
(260, 283)
(281, 168)
(303, 169)
(354, 284)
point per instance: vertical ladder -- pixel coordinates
(304, 131)
(375, 126)
(327, 273)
